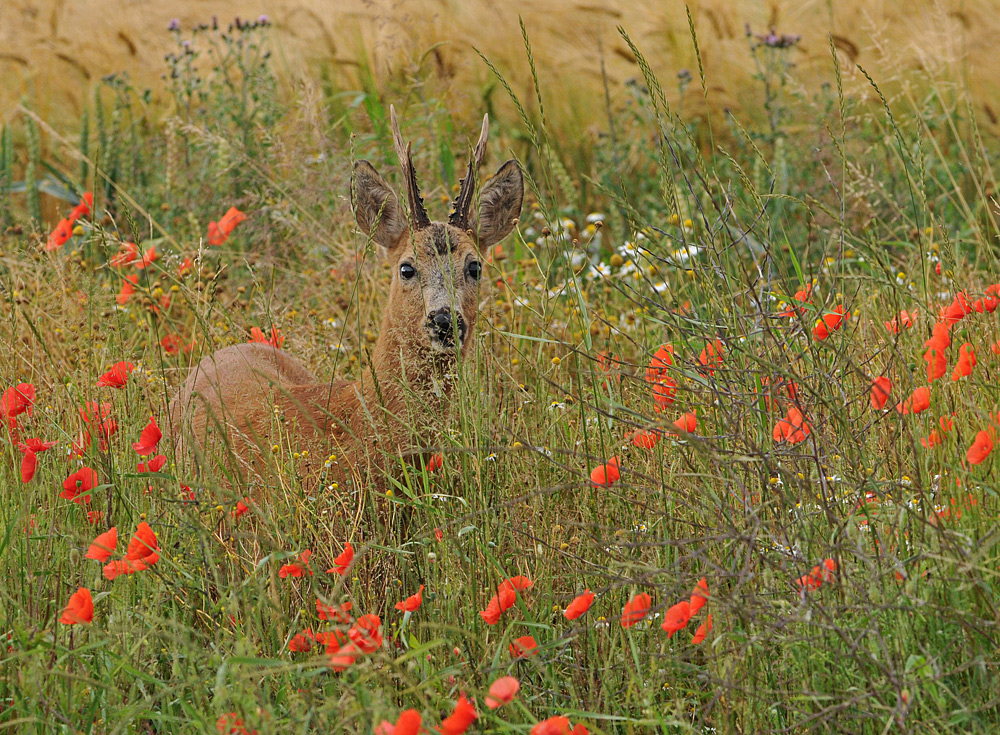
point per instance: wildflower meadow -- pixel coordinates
(719, 458)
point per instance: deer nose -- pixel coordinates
(441, 319)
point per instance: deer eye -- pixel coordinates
(407, 271)
(474, 270)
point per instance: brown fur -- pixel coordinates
(234, 401)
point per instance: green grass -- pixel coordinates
(833, 191)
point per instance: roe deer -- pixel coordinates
(231, 398)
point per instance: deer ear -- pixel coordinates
(499, 206)
(376, 210)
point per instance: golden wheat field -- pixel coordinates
(57, 48)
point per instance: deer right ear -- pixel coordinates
(499, 206)
(376, 210)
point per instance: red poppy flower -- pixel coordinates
(676, 617)
(664, 393)
(127, 252)
(932, 440)
(919, 401)
(659, 364)
(828, 570)
(937, 364)
(172, 344)
(523, 646)
(147, 259)
(830, 322)
(153, 465)
(460, 718)
(518, 582)
(59, 236)
(301, 642)
(958, 309)
(606, 474)
(275, 340)
(990, 302)
(84, 208)
(794, 428)
(79, 609)
(605, 364)
(103, 546)
(149, 439)
(118, 567)
(580, 605)
(16, 400)
(128, 288)
(645, 439)
(298, 568)
(881, 389)
(502, 691)
(802, 297)
(818, 575)
(710, 358)
(98, 415)
(504, 599)
(29, 462)
(242, 507)
(333, 639)
(343, 560)
(218, 232)
(703, 630)
(77, 486)
(366, 633)
(635, 609)
(980, 448)
(939, 339)
(117, 376)
(186, 266)
(35, 445)
(231, 724)
(903, 321)
(411, 603)
(339, 614)
(558, 725)
(491, 615)
(143, 548)
(687, 423)
(966, 361)
(700, 596)
(435, 463)
(407, 724)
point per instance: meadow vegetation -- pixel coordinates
(753, 354)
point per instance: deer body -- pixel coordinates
(234, 400)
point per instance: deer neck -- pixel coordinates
(400, 366)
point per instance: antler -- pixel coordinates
(460, 207)
(417, 211)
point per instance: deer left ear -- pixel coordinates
(376, 210)
(499, 206)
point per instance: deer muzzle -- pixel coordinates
(444, 325)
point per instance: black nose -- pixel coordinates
(441, 319)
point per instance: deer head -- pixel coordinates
(434, 297)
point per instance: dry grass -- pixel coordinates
(706, 243)
(53, 51)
